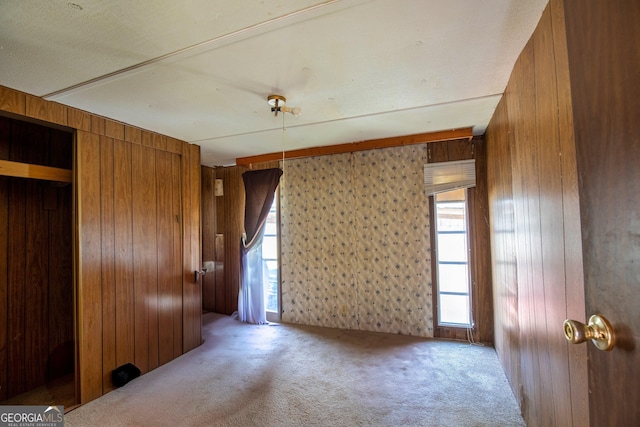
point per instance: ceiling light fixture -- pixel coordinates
(278, 102)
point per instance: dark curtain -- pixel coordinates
(260, 187)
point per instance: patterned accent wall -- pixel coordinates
(355, 242)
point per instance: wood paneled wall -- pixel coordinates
(36, 280)
(481, 289)
(134, 289)
(503, 245)
(137, 241)
(535, 231)
(229, 228)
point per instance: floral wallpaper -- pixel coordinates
(355, 242)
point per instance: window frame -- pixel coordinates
(441, 328)
(275, 316)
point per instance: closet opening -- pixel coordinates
(37, 291)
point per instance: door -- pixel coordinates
(604, 53)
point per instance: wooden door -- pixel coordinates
(603, 40)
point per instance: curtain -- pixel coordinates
(260, 187)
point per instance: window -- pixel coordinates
(452, 254)
(270, 264)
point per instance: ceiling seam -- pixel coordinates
(478, 98)
(246, 32)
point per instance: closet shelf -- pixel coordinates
(27, 170)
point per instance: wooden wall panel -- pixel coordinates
(140, 270)
(505, 285)
(220, 289)
(532, 189)
(133, 135)
(527, 211)
(146, 139)
(187, 264)
(208, 179)
(230, 224)
(90, 260)
(551, 223)
(196, 239)
(13, 101)
(78, 119)
(36, 277)
(107, 219)
(530, 264)
(437, 153)
(47, 111)
(150, 253)
(159, 142)
(18, 152)
(459, 149)
(114, 129)
(36, 285)
(192, 293)
(166, 219)
(174, 145)
(16, 261)
(145, 249)
(187, 270)
(123, 256)
(61, 298)
(481, 291)
(178, 242)
(232, 242)
(60, 149)
(223, 287)
(98, 125)
(516, 115)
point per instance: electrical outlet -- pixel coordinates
(343, 309)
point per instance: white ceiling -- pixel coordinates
(201, 70)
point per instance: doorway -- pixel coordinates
(37, 338)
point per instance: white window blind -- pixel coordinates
(447, 176)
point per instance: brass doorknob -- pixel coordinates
(599, 331)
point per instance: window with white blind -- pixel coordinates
(452, 253)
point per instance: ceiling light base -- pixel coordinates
(276, 100)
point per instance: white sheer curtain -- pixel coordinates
(251, 307)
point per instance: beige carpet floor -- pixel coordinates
(288, 375)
